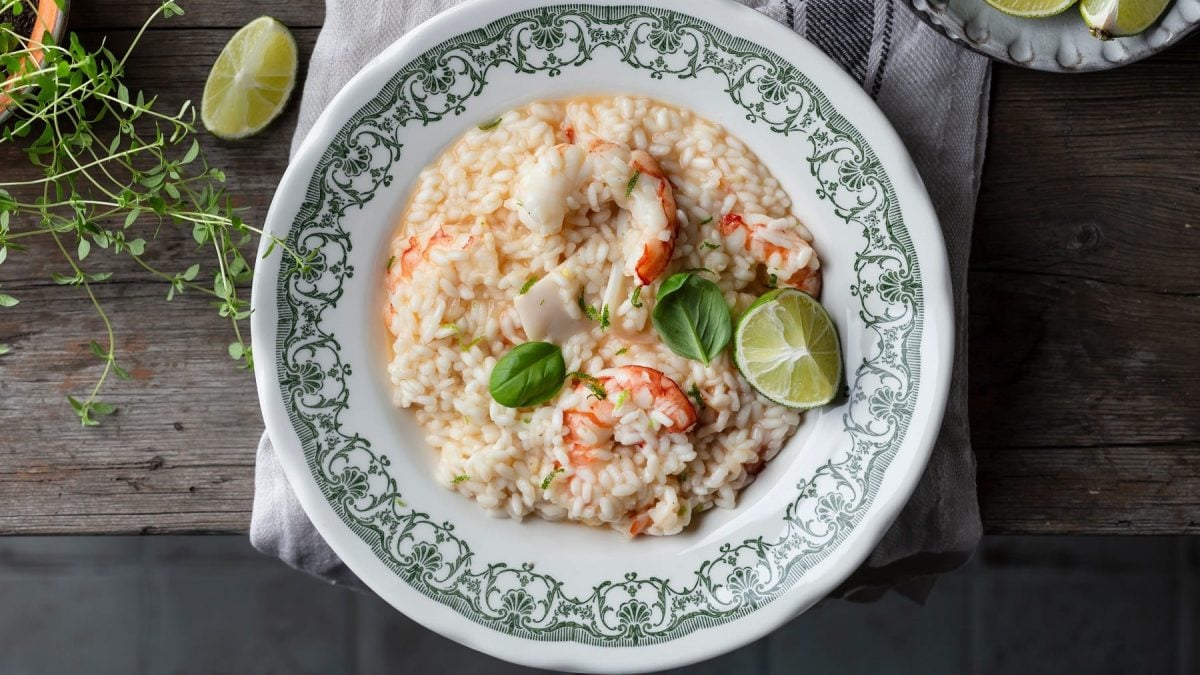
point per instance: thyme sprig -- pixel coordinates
(116, 172)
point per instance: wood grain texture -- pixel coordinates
(1085, 291)
(1085, 302)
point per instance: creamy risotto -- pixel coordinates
(522, 291)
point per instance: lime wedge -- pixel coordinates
(786, 346)
(251, 81)
(1120, 18)
(1031, 9)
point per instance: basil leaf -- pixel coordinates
(692, 318)
(530, 374)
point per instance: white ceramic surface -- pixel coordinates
(1060, 43)
(558, 595)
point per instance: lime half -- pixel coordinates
(251, 81)
(1031, 9)
(1121, 18)
(786, 346)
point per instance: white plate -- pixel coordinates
(552, 594)
(1059, 43)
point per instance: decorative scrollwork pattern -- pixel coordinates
(425, 551)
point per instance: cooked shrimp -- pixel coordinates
(592, 426)
(549, 187)
(414, 256)
(781, 244)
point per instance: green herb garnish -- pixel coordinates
(467, 347)
(488, 126)
(391, 261)
(529, 374)
(694, 392)
(706, 220)
(622, 350)
(528, 285)
(550, 477)
(598, 315)
(621, 398)
(460, 479)
(710, 245)
(592, 383)
(772, 280)
(116, 171)
(702, 270)
(634, 299)
(692, 318)
(633, 181)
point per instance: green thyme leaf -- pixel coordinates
(633, 181)
(528, 285)
(488, 126)
(550, 478)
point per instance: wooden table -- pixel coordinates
(1084, 338)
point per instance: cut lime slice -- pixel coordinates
(251, 81)
(1031, 9)
(786, 346)
(1120, 18)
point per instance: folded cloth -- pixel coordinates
(934, 93)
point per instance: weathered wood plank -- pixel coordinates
(1108, 490)
(1086, 300)
(197, 14)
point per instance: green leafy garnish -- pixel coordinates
(593, 384)
(600, 316)
(633, 181)
(621, 398)
(488, 126)
(706, 220)
(116, 172)
(550, 477)
(710, 245)
(528, 285)
(452, 327)
(772, 280)
(702, 270)
(460, 479)
(694, 392)
(529, 374)
(635, 298)
(692, 318)
(467, 347)
(391, 261)
(622, 350)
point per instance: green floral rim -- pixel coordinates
(516, 598)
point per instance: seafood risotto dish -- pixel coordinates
(568, 297)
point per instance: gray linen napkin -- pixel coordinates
(934, 93)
